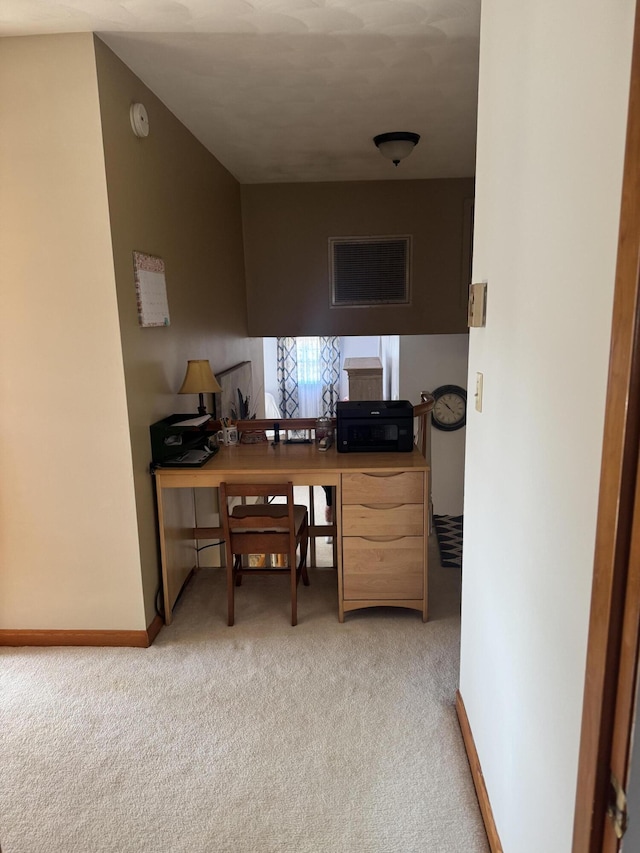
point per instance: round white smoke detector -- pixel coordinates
(139, 120)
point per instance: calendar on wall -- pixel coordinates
(151, 290)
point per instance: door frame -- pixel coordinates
(612, 651)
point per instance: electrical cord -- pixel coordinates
(159, 607)
(159, 591)
(211, 545)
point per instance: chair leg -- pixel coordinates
(293, 572)
(230, 584)
(303, 557)
(237, 570)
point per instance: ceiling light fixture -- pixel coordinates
(396, 146)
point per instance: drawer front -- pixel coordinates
(406, 487)
(383, 569)
(383, 520)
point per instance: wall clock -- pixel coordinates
(450, 408)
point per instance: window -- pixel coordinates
(308, 376)
(309, 367)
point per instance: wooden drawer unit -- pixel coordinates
(383, 540)
(407, 487)
(383, 568)
(382, 520)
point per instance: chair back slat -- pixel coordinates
(260, 490)
(423, 439)
(269, 523)
(252, 518)
(421, 412)
(260, 543)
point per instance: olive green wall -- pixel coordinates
(287, 228)
(168, 196)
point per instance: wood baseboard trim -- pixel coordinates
(478, 779)
(154, 628)
(135, 639)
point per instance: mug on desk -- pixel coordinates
(228, 435)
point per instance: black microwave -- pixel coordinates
(374, 426)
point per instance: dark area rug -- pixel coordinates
(449, 533)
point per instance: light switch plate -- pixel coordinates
(477, 313)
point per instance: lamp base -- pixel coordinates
(202, 409)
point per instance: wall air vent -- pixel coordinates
(369, 270)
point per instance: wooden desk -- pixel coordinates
(381, 517)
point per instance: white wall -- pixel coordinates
(554, 79)
(270, 359)
(390, 358)
(68, 538)
(426, 362)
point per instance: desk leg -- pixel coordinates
(176, 520)
(427, 522)
(312, 521)
(337, 520)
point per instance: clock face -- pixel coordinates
(450, 408)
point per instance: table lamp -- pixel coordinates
(199, 379)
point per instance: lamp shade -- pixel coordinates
(396, 146)
(199, 378)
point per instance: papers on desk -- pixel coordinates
(193, 457)
(197, 421)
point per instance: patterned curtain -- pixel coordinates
(288, 377)
(330, 360)
(320, 367)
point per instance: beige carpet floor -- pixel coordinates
(261, 737)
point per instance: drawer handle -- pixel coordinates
(382, 538)
(387, 474)
(382, 506)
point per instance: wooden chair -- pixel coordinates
(264, 528)
(422, 412)
(423, 437)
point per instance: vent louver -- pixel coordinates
(369, 270)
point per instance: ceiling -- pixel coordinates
(295, 90)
